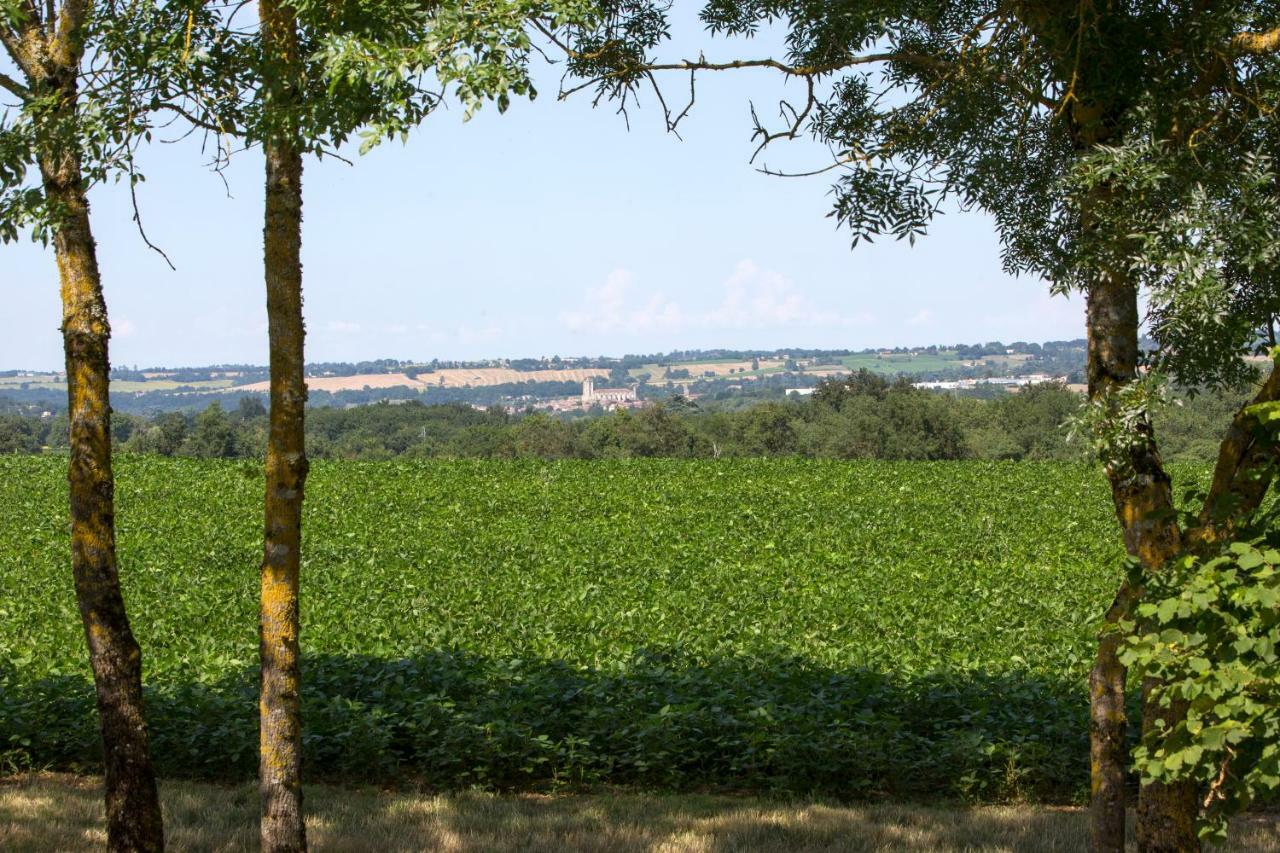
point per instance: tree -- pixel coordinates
(766, 430)
(310, 76)
(89, 76)
(280, 702)
(169, 434)
(250, 408)
(213, 435)
(1017, 109)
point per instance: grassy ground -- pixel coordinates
(57, 812)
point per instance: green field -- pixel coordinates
(127, 386)
(902, 362)
(848, 628)
(925, 362)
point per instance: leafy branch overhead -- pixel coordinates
(138, 56)
(984, 104)
(377, 67)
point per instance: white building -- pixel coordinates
(591, 395)
(1005, 381)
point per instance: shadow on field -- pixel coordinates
(451, 719)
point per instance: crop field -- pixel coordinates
(902, 362)
(449, 377)
(720, 368)
(119, 386)
(129, 386)
(841, 628)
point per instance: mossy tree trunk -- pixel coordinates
(280, 733)
(133, 806)
(1142, 494)
(49, 57)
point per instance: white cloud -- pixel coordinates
(752, 298)
(342, 327)
(756, 297)
(609, 308)
(123, 328)
(923, 317)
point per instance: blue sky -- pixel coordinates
(549, 230)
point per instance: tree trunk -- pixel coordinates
(280, 757)
(1108, 761)
(280, 704)
(133, 807)
(1141, 492)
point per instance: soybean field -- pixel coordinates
(851, 629)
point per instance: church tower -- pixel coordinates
(588, 390)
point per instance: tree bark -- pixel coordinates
(1108, 759)
(1143, 501)
(1241, 476)
(1141, 493)
(280, 703)
(134, 820)
(280, 735)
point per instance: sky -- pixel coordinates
(551, 230)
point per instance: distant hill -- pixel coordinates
(528, 381)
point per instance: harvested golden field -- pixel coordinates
(460, 377)
(343, 383)
(699, 369)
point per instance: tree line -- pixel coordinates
(865, 416)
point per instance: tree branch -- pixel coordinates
(13, 86)
(67, 47)
(837, 163)
(198, 122)
(1256, 43)
(1241, 476)
(17, 51)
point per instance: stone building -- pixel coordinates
(591, 395)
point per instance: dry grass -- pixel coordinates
(48, 812)
(447, 378)
(722, 369)
(458, 377)
(342, 383)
